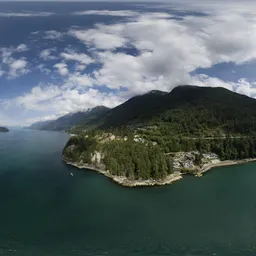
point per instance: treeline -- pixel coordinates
(122, 158)
(227, 148)
(200, 121)
(136, 160)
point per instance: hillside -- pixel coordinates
(134, 110)
(139, 139)
(187, 108)
(90, 117)
(39, 125)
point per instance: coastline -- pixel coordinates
(177, 175)
(124, 181)
(208, 167)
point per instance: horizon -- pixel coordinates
(62, 58)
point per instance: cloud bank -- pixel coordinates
(142, 51)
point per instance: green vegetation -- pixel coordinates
(147, 128)
(136, 160)
(147, 160)
(122, 158)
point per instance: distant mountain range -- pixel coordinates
(89, 117)
(185, 107)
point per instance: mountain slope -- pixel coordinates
(186, 109)
(188, 106)
(39, 125)
(89, 117)
(135, 109)
(139, 139)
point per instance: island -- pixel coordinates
(156, 138)
(3, 129)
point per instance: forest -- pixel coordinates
(156, 124)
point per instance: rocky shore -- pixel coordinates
(124, 181)
(208, 167)
(177, 175)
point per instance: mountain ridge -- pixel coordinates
(153, 139)
(67, 121)
(159, 106)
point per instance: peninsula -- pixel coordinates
(3, 129)
(156, 138)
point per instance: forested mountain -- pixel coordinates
(90, 117)
(39, 125)
(188, 109)
(137, 138)
(137, 109)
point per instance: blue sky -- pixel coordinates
(57, 58)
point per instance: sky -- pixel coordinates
(57, 58)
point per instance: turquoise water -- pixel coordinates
(46, 211)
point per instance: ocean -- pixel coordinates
(46, 211)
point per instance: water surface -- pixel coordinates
(45, 211)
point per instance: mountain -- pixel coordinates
(190, 110)
(138, 108)
(188, 106)
(39, 125)
(3, 129)
(139, 140)
(91, 116)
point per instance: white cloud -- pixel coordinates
(169, 49)
(167, 53)
(120, 13)
(46, 54)
(7, 52)
(25, 14)
(79, 57)
(14, 67)
(78, 81)
(22, 48)
(246, 88)
(62, 68)
(38, 96)
(53, 35)
(40, 118)
(124, 13)
(17, 67)
(52, 98)
(99, 38)
(18, 64)
(43, 69)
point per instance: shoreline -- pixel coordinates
(208, 167)
(124, 181)
(177, 175)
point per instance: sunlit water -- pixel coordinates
(44, 210)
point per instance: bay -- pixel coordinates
(46, 211)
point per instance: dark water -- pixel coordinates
(46, 211)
